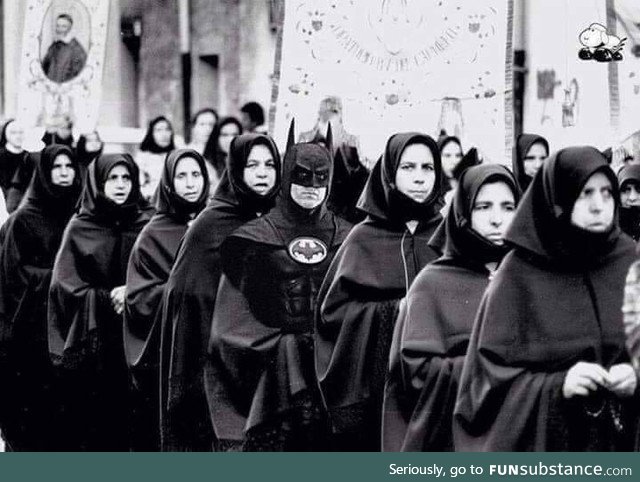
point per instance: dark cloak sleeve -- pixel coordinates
(532, 326)
(358, 305)
(188, 305)
(82, 323)
(427, 353)
(149, 266)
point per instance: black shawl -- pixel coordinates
(555, 300)
(212, 152)
(434, 325)
(190, 296)
(629, 217)
(523, 144)
(149, 144)
(359, 298)
(32, 237)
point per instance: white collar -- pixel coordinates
(412, 226)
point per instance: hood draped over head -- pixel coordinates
(94, 203)
(630, 216)
(542, 223)
(57, 199)
(168, 201)
(149, 144)
(232, 187)
(462, 241)
(212, 152)
(381, 198)
(523, 144)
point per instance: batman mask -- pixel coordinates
(308, 170)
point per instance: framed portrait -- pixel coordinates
(62, 60)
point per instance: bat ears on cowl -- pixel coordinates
(291, 139)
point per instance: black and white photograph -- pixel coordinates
(320, 226)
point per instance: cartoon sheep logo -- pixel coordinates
(599, 45)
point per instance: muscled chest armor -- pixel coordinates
(283, 283)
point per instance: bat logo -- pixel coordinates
(307, 250)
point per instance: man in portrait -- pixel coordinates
(65, 57)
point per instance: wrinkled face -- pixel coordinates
(630, 194)
(93, 142)
(203, 127)
(493, 211)
(416, 174)
(227, 133)
(62, 171)
(534, 158)
(451, 155)
(15, 134)
(593, 210)
(188, 181)
(162, 133)
(63, 26)
(310, 180)
(118, 185)
(260, 171)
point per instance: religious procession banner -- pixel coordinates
(388, 66)
(63, 51)
(568, 99)
(628, 15)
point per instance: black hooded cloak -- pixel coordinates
(556, 300)
(150, 263)
(32, 237)
(85, 333)
(190, 296)
(629, 217)
(261, 383)
(434, 325)
(523, 144)
(359, 299)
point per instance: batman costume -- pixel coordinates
(260, 378)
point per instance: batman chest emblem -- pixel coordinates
(307, 250)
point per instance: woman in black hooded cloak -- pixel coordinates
(86, 303)
(182, 194)
(547, 368)
(190, 293)
(359, 299)
(435, 322)
(32, 237)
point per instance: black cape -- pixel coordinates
(32, 236)
(358, 301)
(85, 333)
(555, 300)
(434, 326)
(150, 263)
(190, 296)
(261, 376)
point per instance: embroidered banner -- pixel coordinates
(63, 52)
(398, 65)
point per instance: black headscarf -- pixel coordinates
(630, 216)
(212, 152)
(382, 200)
(84, 157)
(542, 224)
(60, 201)
(95, 204)
(148, 143)
(462, 242)
(170, 203)
(470, 159)
(232, 187)
(523, 144)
